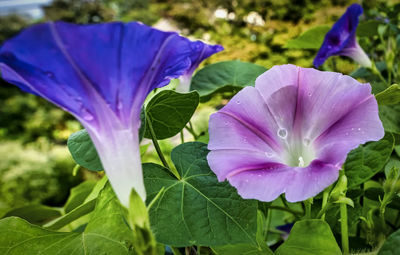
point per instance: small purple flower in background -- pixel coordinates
(201, 51)
(101, 74)
(291, 132)
(341, 39)
(285, 230)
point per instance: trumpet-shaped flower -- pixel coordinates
(101, 74)
(201, 51)
(291, 133)
(341, 39)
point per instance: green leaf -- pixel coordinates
(86, 207)
(169, 112)
(389, 96)
(197, 209)
(390, 117)
(247, 248)
(309, 237)
(142, 128)
(368, 28)
(83, 151)
(35, 214)
(310, 39)
(225, 75)
(106, 233)
(367, 160)
(241, 248)
(391, 245)
(78, 195)
(378, 193)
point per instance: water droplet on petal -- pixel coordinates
(306, 141)
(309, 94)
(268, 154)
(359, 129)
(347, 133)
(119, 106)
(282, 133)
(237, 101)
(86, 115)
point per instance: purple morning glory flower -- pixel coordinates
(201, 51)
(101, 74)
(291, 132)
(341, 39)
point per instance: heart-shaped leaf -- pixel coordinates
(310, 237)
(224, 75)
(169, 112)
(197, 209)
(83, 151)
(367, 160)
(310, 39)
(106, 233)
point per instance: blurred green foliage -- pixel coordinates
(30, 175)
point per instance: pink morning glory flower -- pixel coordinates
(101, 74)
(291, 133)
(341, 39)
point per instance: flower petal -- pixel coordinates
(341, 36)
(244, 123)
(324, 116)
(200, 51)
(74, 65)
(298, 184)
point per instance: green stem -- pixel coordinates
(321, 213)
(182, 137)
(158, 149)
(75, 170)
(325, 204)
(344, 228)
(284, 202)
(267, 224)
(295, 213)
(376, 71)
(307, 204)
(191, 131)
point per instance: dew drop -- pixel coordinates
(237, 101)
(268, 154)
(226, 123)
(359, 129)
(282, 133)
(309, 94)
(86, 115)
(306, 141)
(347, 133)
(244, 140)
(119, 105)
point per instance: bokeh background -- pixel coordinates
(35, 165)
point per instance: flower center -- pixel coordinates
(299, 154)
